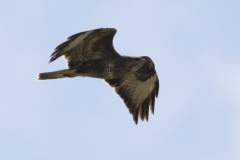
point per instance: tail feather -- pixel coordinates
(56, 74)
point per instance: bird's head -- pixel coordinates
(148, 61)
(137, 63)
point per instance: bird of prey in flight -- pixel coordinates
(91, 54)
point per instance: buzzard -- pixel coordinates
(92, 54)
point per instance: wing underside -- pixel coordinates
(138, 96)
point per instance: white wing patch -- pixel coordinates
(76, 41)
(143, 89)
(138, 90)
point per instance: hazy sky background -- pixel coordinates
(196, 49)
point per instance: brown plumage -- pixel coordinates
(92, 54)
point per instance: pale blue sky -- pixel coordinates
(195, 47)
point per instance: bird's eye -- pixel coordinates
(137, 59)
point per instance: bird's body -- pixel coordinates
(91, 54)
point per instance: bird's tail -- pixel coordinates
(57, 74)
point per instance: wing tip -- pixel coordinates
(53, 57)
(135, 115)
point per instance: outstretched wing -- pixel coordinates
(139, 96)
(84, 46)
(138, 90)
